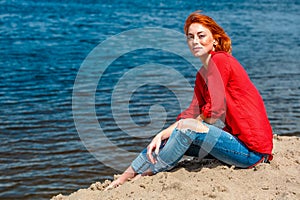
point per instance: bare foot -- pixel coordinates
(113, 185)
(128, 174)
(136, 177)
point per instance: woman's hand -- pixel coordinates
(154, 146)
(156, 142)
(207, 120)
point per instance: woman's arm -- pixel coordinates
(156, 141)
(217, 81)
(165, 134)
(208, 120)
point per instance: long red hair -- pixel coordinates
(223, 40)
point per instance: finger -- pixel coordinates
(149, 153)
(157, 147)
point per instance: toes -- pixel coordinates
(112, 186)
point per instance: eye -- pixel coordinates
(201, 36)
(190, 37)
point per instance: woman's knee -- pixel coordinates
(193, 125)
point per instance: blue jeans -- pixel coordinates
(218, 143)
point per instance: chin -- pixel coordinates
(198, 55)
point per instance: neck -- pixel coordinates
(205, 59)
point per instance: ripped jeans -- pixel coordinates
(216, 142)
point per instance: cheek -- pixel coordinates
(207, 42)
(190, 45)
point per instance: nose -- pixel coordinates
(196, 39)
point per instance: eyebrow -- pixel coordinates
(196, 33)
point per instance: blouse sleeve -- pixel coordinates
(193, 110)
(216, 79)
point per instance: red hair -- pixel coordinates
(224, 42)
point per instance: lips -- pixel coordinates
(197, 48)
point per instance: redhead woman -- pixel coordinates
(222, 91)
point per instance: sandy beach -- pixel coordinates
(210, 179)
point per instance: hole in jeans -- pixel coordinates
(193, 125)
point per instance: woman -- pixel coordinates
(222, 91)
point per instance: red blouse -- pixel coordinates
(225, 91)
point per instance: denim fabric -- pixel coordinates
(218, 143)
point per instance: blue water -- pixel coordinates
(44, 43)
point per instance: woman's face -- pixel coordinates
(200, 40)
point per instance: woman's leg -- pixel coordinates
(224, 147)
(170, 153)
(211, 139)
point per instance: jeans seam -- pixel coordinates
(235, 152)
